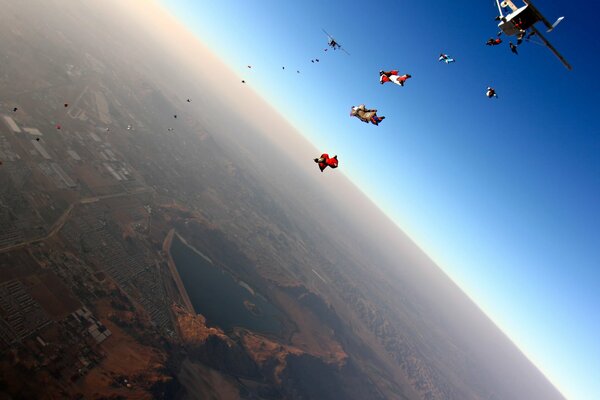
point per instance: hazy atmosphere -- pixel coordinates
(165, 232)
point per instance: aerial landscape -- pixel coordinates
(166, 234)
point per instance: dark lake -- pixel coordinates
(224, 301)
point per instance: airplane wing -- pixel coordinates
(328, 35)
(540, 17)
(551, 48)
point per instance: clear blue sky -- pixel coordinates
(504, 194)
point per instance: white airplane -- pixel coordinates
(518, 21)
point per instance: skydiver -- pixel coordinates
(37, 139)
(491, 93)
(243, 81)
(66, 105)
(324, 161)
(513, 48)
(523, 36)
(392, 76)
(493, 42)
(57, 126)
(188, 100)
(175, 116)
(15, 109)
(366, 115)
(445, 58)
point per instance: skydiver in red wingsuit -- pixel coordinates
(493, 42)
(324, 161)
(392, 76)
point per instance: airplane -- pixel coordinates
(519, 20)
(333, 43)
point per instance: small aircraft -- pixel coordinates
(519, 20)
(333, 43)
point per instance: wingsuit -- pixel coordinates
(392, 76)
(325, 161)
(491, 93)
(366, 115)
(445, 58)
(493, 42)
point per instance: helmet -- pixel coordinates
(381, 72)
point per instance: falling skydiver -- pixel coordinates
(446, 58)
(325, 161)
(491, 92)
(392, 76)
(366, 115)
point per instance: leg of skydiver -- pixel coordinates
(376, 119)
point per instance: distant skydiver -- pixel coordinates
(243, 81)
(324, 161)
(175, 116)
(513, 48)
(445, 58)
(493, 42)
(15, 109)
(366, 115)
(521, 36)
(66, 105)
(392, 76)
(491, 93)
(188, 100)
(58, 126)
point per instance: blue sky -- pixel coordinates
(503, 194)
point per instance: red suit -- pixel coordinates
(392, 76)
(324, 161)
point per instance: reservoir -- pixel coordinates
(218, 296)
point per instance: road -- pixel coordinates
(60, 222)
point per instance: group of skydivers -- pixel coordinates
(367, 115)
(361, 111)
